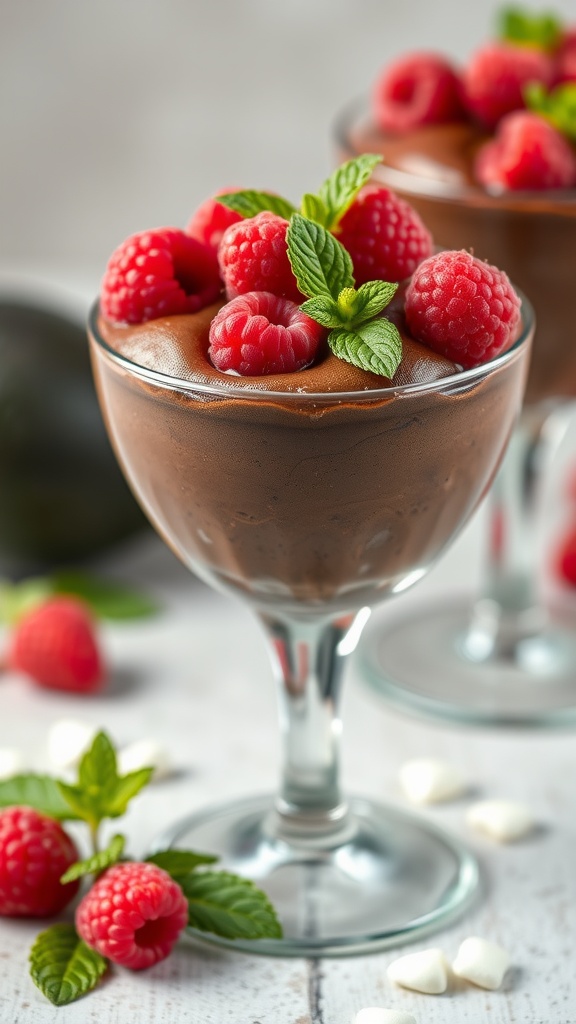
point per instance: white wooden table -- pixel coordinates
(212, 703)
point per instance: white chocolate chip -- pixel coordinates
(68, 739)
(503, 820)
(376, 1015)
(11, 762)
(481, 962)
(422, 972)
(147, 753)
(428, 780)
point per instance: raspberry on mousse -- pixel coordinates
(494, 80)
(417, 89)
(253, 257)
(527, 152)
(209, 222)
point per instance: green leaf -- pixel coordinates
(324, 310)
(107, 599)
(320, 263)
(522, 27)
(314, 208)
(376, 347)
(62, 966)
(126, 787)
(41, 792)
(249, 202)
(557, 106)
(179, 863)
(341, 188)
(100, 791)
(370, 299)
(99, 862)
(229, 906)
(16, 599)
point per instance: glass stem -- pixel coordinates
(308, 659)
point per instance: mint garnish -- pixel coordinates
(524, 28)
(323, 269)
(106, 599)
(341, 188)
(248, 203)
(179, 863)
(41, 792)
(557, 106)
(229, 906)
(99, 862)
(63, 967)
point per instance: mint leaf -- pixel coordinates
(41, 792)
(314, 208)
(179, 863)
(229, 906)
(100, 791)
(94, 865)
(557, 106)
(108, 600)
(376, 346)
(522, 27)
(370, 299)
(341, 188)
(18, 598)
(324, 310)
(249, 202)
(320, 263)
(62, 966)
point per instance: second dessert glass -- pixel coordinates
(312, 507)
(498, 658)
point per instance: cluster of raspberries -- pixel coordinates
(525, 151)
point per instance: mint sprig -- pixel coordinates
(100, 791)
(179, 863)
(42, 792)
(106, 598)
(248, 203)
(98, 863)
(524, 28)
(229, 906)
(323, 269)
(62, 966)
(557, 106)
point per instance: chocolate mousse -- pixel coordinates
(316, 491)
(531, 235)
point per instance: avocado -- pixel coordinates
(63, 497)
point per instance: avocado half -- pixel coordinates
(62, 495)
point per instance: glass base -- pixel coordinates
(385, 877)
(443, 661)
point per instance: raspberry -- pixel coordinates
(55, 644)
(34, 853)
(159, 273)
(462, 308)
(421, 88)
(384, 236)
(565, 559)
(210, 221)
(253, 257)
(133, 914)
(527, 153)
(565, 59)
(259, 333)
(495, 77)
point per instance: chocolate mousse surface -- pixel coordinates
(532, 236)
(317, 491)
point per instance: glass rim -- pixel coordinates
(185, 384)
(432, 189)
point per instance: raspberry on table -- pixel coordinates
(209, 222)
(495, 77)
(35, 851)
(133, 915)
(55, 644)
(253, 257)
(418, 89)
(159, 273)
(526, 153)
(384, 235)
(462, 308)
(259, 333)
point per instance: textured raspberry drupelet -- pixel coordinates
(253, 257)
(420, 88)
(133, 915)
(495, 77)
(526, 153)
(159, 273)
(259, 333)
(384, 236)
(210, 221)
(462, 308)
(55, 643)
(34, 853)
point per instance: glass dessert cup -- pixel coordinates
(499, 658)
(312, 507)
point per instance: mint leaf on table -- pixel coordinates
(179, 863)
(62, 966)
(375, 346)
(99, 862)
(42, 792)
(229, 906)
(558, 106)
(107, 599)
(321, 265)
(16, 599)
(248, 203)
(340, 190)
(100, 792)
(523, 27)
